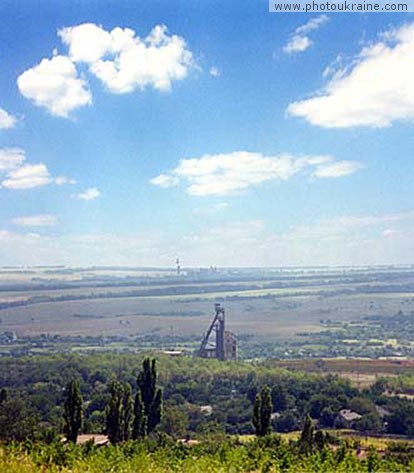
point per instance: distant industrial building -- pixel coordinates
(222, 346)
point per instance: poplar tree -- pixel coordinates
(128, 412)
(73, 410)
(115, 413)
(262, 410)
(140, 425)
(307, 436)
(148, 401)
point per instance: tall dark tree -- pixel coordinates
(140, 425)
(115, 413)
(307, 436)
(128, 412)
(3, 395)
(73, 410)
(262, 411)
(150, 396)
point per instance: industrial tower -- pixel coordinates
(224, 347)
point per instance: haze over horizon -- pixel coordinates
(132, 133)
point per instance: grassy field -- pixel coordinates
(248, 312)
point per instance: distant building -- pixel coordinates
(349, 416)
(173, 352)
(206, 410)
(224, 346)
(8, 337)
(346, 419)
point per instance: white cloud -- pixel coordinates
(87, 42)
(223, 174)
(312, 24)
(165, 181)
(6, 120)
(346, 226)
(336, 169)
(125, 62)
(391, 233)
(376, 89)
(215, 71)
(297, 44)
(89, 194)
(55, 84)
(299, 41)
(61, 180)
(338, 240)
(11, 158)
(15, 173)
(43, 220)
(27, 176)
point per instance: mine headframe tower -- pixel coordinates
(225, 345)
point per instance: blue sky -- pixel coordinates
(134, 132)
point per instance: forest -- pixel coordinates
(206, 417)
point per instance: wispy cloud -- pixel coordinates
(89, 194)
(223, 174)
(336, 169)
(341, 240)
(375, 89)
(11, 158)
(215, 71)
(299, 40)
(42, 220)
(6, 120)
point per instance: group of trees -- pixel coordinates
(262, 411)
(38, 389)
(126, 417)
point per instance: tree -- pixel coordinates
(148, 400)
(3, 395)
(115, 413)
(286, 422)
(280, 398)
(128, 412)
(262, 411)
(18, 420)
(401, 421)
(140, 424)
(319, 440)
(327, 417)
(73, 410)
(175, 422)
(307, 436)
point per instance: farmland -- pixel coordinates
(281, 312)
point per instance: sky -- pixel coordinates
(133, 133)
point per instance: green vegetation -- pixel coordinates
(115, 418)
(93, 377)
(200, 396)
(148, 398)
(262, 410)
(211, 411)
(73, 410)
(161, 455)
